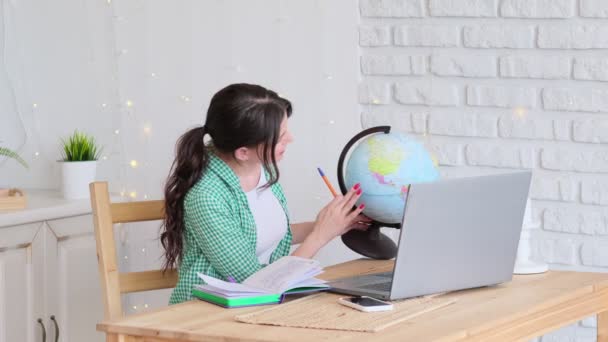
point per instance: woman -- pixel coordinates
(226, 214)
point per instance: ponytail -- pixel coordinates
(190, 162)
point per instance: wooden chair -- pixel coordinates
(114, 283)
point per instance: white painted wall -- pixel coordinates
(494, 85)
(147, 70)
(56, 71)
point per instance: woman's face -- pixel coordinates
(285, 138)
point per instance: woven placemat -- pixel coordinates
(322, 311)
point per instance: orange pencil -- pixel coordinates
(331, 188)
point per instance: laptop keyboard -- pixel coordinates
(378, 286)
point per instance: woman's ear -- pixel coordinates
(242, 154)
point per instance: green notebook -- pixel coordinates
(287, 275)
(251, 301)
(237, 302)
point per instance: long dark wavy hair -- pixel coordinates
(239, 115)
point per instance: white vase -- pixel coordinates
(76, 177)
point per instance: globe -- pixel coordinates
(385, 165)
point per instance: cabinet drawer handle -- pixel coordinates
(56, 328)
(43, 329)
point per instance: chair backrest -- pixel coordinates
(114, 283)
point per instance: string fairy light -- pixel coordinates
(129, 170)
(520, 111)
(128, 175)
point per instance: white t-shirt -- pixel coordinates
(270, 220)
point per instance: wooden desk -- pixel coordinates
(528, 306)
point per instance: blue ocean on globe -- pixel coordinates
(384, 165)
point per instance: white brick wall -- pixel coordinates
(590, 130)
(573, 36)
(538, 8)
(427, 35)
(594, 8)
(427, 94)
(589, 68)
(595, 192)
(544, 67)
(501, 96)
(507, 84)
(464, 65)
(393, 65)
(392, 8)
(462, 8)
(374, 35)
(499, 36)
(576, 99)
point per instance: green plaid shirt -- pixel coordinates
(220, 236)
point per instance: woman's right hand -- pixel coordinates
(335, 217)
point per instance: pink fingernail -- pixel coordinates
(359, 192)
(356, 186)
(362, 206)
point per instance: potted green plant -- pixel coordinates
(7, 152)
(12, 199)
(80, 153)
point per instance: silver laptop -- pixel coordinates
(456, 234)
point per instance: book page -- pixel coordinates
(311, 282)
(226, 294)
(284, 273)
(226, 287)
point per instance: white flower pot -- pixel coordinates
(76, 177)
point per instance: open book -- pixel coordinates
(287, 275)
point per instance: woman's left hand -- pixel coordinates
(360, 222)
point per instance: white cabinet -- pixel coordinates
(20, 287)
(48, 269)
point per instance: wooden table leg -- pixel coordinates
(602, 327)
(129, 338)
(111, 337)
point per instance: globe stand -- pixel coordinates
(371, 243)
